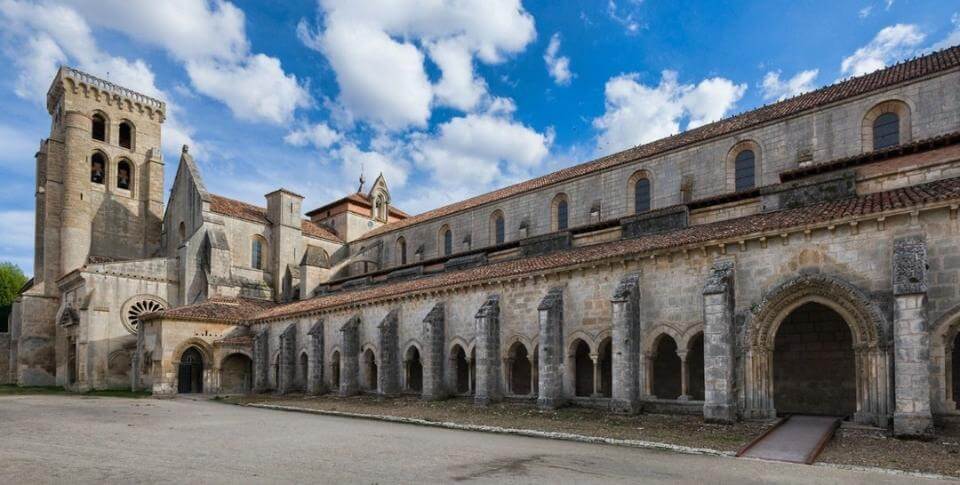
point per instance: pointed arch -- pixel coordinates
(99, 124)
(125, 174)
(126, 134)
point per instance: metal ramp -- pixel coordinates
(794, 439)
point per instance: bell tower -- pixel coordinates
(99, 176)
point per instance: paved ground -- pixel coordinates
(46, 439)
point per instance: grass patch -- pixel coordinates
(15, 390)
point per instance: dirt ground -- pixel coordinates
(680, 430)
(859, 447)
(939, 454)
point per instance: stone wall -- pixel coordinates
(672, 298)
(824, 134)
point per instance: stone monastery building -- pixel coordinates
(802, 257)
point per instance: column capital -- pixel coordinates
(910, 265)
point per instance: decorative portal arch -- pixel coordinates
(190, 371)
(868, 328)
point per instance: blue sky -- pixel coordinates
(447, 98)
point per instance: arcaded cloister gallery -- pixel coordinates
(800, 258)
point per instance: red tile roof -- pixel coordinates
(219, 310)
(356, 198)
(250, 212)
(906, 71)
(942, 190)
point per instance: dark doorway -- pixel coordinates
(473, 371)
(814, 370)
(666, 369)
(335, 370)
(304, 370)
(956, 370)
(414, 370)
(606, 368)
(190, 373)
(519, 370)
(583, 369)
(461, 369)
(370, 370)
(72, 361)
(695, 381)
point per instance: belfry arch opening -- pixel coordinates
(190, 372)
(814, 366)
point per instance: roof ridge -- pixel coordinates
(724, 126)
(898, 198)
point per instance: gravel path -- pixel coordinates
(67, 439)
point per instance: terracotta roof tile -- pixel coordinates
(225, 310)
(948, 189)
(906, 71)
(356, 198)
(250, 212)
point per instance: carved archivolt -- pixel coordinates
(866, 320)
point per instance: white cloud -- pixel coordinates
(557, 66)
(890, 44)
(953, 38)
(353, 161)
(188, 29)
(46, 35)
(458, 87)
(320, 135)
(477, 150)
(627, 20)
(865, 11)
(255, 89)
(776, 88)
(381, 80)
(636, 113)
(207, 36)
(378, 49)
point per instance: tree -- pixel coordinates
(11, 281)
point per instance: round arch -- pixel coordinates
(867, 326)
(897, 106)
(639, 175)
(731, 163)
